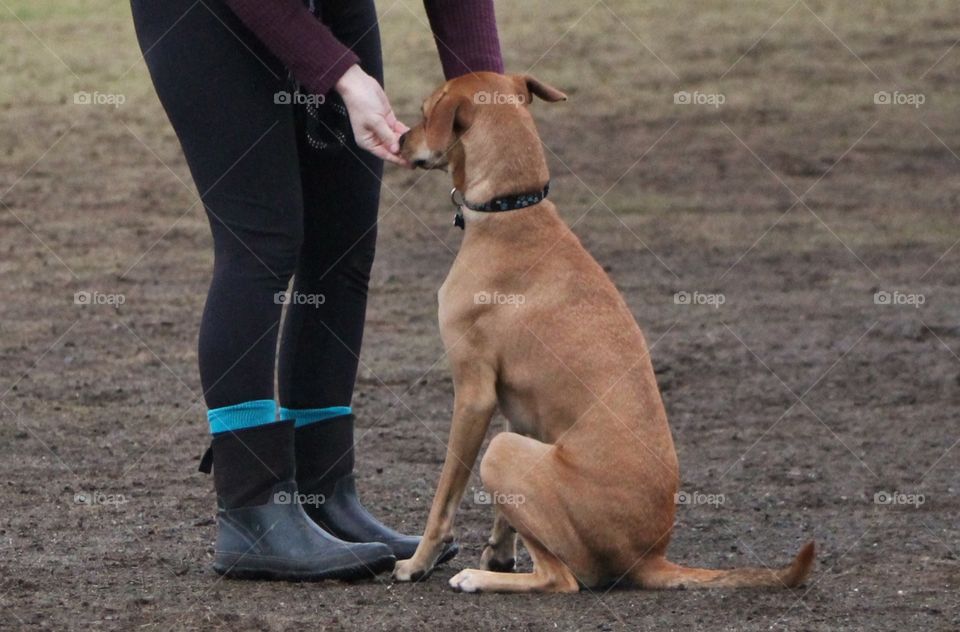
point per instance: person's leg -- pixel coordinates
(341, 193)
(323, 330)
(217, 85)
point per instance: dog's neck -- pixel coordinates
(484, 170)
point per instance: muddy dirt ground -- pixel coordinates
(812, 381)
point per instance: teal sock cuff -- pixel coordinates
(258, 412)
(307, 416)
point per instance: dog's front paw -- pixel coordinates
(467, 580)
(409, 571)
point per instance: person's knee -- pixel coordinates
(261, 249)
(348, 261)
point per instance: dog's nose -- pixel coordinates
(403, 139)
(420, 164)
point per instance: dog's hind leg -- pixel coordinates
(520, 474)
(549, 574)
(500, 554)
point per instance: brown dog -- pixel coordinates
(587, 472)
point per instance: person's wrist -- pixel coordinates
(349, 80)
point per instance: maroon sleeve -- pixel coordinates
(466, 35)
(305, 45)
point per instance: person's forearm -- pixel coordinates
(466, 35)
(305, 46)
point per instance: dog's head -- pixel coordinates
(483, 108)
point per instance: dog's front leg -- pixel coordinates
(474, 402)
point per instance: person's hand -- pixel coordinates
(375, 128)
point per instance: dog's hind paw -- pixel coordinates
(498, 559)
(500, 566)
(466, 581)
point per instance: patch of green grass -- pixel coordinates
(42, 10)
(795, 94)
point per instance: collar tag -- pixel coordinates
(456, 196)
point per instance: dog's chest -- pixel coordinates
(519, 411)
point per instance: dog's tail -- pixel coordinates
(659, 573)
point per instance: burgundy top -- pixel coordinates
(465, 32)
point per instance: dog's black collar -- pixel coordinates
(496, 205)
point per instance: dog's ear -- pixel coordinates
(451, 115)
(532, 86)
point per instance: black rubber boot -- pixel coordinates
(325, 469)
(263, 531)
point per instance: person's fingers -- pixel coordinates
(391, 118)
(400, 128)
(392, 122)
(386, 135)
(382, 153)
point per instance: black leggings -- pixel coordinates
(278, 208)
